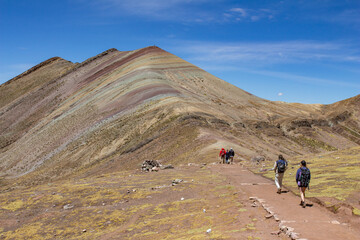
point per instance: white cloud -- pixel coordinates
(304, 79)
(281, 75)
(163, 10)
(252, 15)
(200, 11)
(252, 58)
(280, 94)
(270, 52)
(242, 11)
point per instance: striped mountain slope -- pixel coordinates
(121, 107)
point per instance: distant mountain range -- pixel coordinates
(119, 108)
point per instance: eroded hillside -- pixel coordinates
(117, 109)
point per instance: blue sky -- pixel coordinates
(304, 51)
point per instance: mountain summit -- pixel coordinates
(119, 108)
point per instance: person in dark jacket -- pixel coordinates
(279, 168)
(231, 156)
(303, 179)
(227, 156)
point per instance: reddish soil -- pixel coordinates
(313, 222)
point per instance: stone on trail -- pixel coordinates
(283, 228)
(176, 181)
(169, 166)
(276, 232)
(68, 206)
(257, 159)
(293, 236)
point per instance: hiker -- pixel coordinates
(280, 167)
(227, 155)
(303, 179)
(222, 155)
(231, 155)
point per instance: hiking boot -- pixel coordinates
(303, 204)
(279, 191)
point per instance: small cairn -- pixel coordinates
(150, 165)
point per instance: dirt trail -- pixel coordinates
(310, 223)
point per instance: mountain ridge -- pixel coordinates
(119, 108)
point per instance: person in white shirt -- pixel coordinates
(280, 167)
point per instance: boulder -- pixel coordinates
(257, 159)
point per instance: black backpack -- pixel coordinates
(304, 177)
(231, 152)
(281, 166)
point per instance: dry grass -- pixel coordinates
(335, 174)
(127, 205)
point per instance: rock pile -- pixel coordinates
(153, 165)
(150, 165)
(288, 231)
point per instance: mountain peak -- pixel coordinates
(119, 108)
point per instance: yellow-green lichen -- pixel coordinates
(13, 206)
(356, 211)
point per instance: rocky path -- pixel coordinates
(312, 222)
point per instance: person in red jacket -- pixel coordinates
(222, 155)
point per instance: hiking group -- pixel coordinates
(227, 156)
(302, 177)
